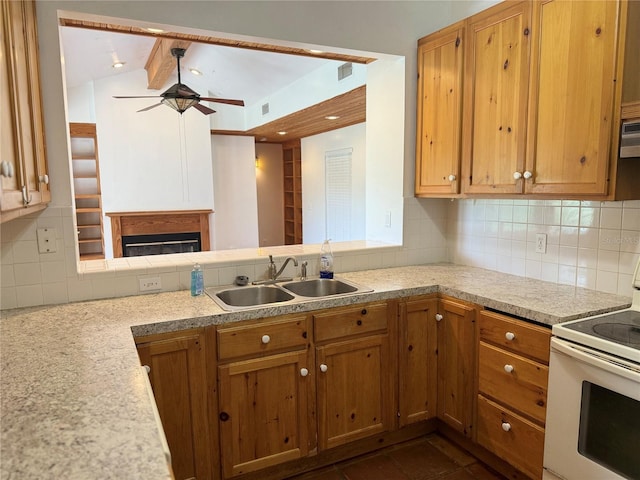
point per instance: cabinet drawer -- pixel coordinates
(524, 388)
(515, 335)
(521, 444)
(350, 321)
(264, 337)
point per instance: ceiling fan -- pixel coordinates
(180, 97)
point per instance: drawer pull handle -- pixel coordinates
(304, 372)
(509, 336)
(506, 426)
(266, 339)
(323, 368)
(438, 317)
(508, 368)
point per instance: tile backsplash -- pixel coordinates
(29, 278)
(589, 244)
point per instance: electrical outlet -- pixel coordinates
(541, 243)
(150, 284)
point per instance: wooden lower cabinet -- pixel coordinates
(179, 381)
(513, 358)
(355, 377)
(264, 408)
(417, 359)
(456, 364)
(266, 411)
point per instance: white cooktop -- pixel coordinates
(616, 333)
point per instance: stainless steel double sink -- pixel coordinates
(239, 298)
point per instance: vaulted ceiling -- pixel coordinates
(230, 69)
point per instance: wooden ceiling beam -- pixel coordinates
(161, 64)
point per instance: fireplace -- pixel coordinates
(160, 244)
(157, 233)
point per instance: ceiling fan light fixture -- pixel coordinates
(118, 64)
(180, 104)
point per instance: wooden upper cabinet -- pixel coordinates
(571, 112)
(440, 62)
(495, 98)
(23, 170)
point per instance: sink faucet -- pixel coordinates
(273, 273)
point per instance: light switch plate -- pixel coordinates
(46, 240)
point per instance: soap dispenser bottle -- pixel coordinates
(326, 260)
(197, 281)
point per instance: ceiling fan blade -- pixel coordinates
(149, 108)
(203, 109)
(143, 96)
(228, 101)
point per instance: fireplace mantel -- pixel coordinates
(153, 222)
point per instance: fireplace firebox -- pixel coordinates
(161, 244)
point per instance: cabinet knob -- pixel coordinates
(323, 368)
(44, 179)
(509, 336)
(147, 368)
(508, 368)
(266, 339)
(5, 169)
(506, 426)
(304, 372)
(438, 317)
(527, 174)
(517, 175)
(452, 178)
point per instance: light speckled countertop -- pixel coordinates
(73, 398)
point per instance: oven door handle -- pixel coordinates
(597, 359)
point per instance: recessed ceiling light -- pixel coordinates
(332, 117)
(118, 64)
(195, 71)
(155, 30)
(282, 133)
(316, 52)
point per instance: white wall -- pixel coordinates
(270, 190)
(313, 180)
(235, 221)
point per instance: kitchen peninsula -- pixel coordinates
(74, 401)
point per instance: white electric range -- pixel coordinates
(593, 405)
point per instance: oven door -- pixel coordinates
(593, 415)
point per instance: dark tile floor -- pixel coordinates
(428, 458)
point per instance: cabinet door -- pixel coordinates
(178, 378)
(456, 364)
(266, 409)
(355, 397)
(572, 93)
(439, 112)
(496, 70)
(22, 125)
(418, 361)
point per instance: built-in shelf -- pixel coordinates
(88, 196)
(292, 172)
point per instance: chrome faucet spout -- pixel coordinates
(284, 265)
